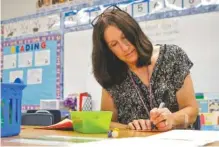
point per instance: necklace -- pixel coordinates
(140, 94)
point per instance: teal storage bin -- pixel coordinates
(11, 96)
(91, 121)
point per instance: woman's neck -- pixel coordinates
(138, 70)
(134, 68)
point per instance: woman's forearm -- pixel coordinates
(185, 117)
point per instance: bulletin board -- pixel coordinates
(37, 61)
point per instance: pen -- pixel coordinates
(162, 105)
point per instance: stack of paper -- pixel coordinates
(136, 142)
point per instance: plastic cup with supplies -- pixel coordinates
(91, 121)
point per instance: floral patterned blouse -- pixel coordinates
(171, 68)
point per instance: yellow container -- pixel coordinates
(91, 121)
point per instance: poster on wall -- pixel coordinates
(32, 26)
(140, 8)
(36, 61)
(192, 3)
(10, 30)
(2, 31)
(45, 4)
(1, 61)
(76, 18)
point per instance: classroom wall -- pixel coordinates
(80, 81)
(16, 8)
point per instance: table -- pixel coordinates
(29, 132)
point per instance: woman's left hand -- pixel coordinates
(162, 118)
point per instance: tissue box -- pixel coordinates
(91, 121)
(52, 104)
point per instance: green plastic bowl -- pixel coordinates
(91, 121)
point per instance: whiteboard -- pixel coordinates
(78, 75)
(198, 35)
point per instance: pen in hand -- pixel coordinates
(162, 105)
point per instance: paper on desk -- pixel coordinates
(138, 141)
(179, 138)
(39, 142)
(196, 137)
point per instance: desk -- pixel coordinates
(28, 132)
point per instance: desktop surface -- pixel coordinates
(30, 136)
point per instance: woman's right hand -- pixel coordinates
(140, 124)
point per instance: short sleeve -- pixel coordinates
(113, 92)
(182, 67)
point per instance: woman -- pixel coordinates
(137, 77)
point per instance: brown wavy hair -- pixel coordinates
(107, 68)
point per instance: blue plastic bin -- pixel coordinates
(11, 95)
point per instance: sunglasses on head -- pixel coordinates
(110, 9)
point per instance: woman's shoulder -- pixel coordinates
(171, 51)
(117, 89)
